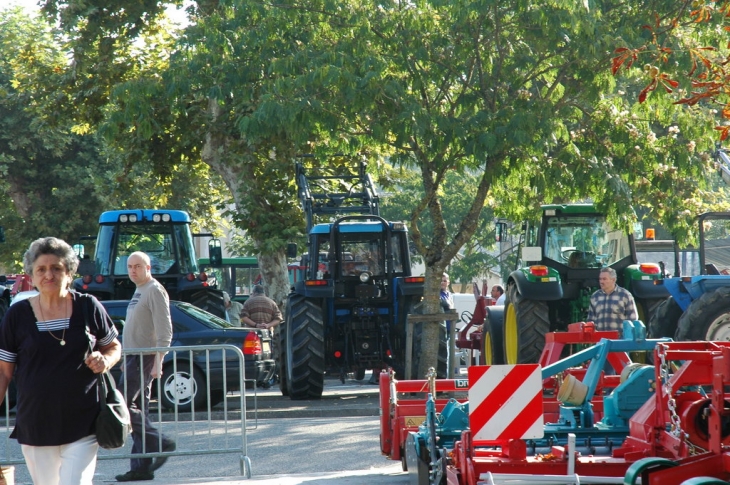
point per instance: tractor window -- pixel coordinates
(165, 244)
(584, 242)
(716, 233)
(395, 243)
(104, 250)
(360, 255)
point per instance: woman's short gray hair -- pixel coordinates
(54, 246)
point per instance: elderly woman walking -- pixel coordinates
(45, 344)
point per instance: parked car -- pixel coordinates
(193, 326)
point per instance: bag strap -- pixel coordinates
(106, 380)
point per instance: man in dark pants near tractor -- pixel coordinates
(148, 324)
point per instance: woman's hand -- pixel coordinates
(97, 362)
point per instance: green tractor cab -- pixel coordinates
(558, 271)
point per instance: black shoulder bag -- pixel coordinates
(113, 424)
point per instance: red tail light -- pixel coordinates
(203, 276)
(87, 279)
(649, 268)
(252, 344)
(315, 283)
(414, 279)
(99, 279)
(190, 277)
(338, 354)
(539, 270)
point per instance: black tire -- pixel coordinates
(360, 373)
(706, 318)
(646, 310)
(493, 339)
(211, 301)
(184, 388)
(305, 349)
(442, 366)
(526, 322)
(283, 363)
(665, 319)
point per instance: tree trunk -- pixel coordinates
(431, 305)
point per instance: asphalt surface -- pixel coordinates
(330, 441)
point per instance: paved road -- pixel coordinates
(339, 445)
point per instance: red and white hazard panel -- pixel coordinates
(505, 402)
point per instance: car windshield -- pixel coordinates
(207, 319)
(585, 241)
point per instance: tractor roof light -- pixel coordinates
(650, 268)
(539, 270)
(165, 217)
(124, 218)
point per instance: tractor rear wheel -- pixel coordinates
(526, 322)
(665, 319)
(304, 349)
(282, 363)
(707, 318)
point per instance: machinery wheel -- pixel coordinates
(493, 337)
(211, 301)
(304, 349)
(646, 465)
(443, 355)
(360, 373)
(525, 324)
(704, 481)
(185, 388)
(707, 318)
(664, 321)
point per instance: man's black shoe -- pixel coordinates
(160, 460)
(135, 476)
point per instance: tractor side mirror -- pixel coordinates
(215, 253)
(291, 250)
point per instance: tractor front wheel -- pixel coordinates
(304, 349)
(526, 322)
(665, 319)
(707, 318)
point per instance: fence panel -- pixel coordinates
(190, 420)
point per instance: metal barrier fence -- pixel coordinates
(197, 429)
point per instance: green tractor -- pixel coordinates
(558, 271)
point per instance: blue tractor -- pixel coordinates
(699, 306)
(165, 236)
(347, 313)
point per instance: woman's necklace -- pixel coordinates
(61, 340)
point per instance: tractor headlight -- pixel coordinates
(365, 277)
